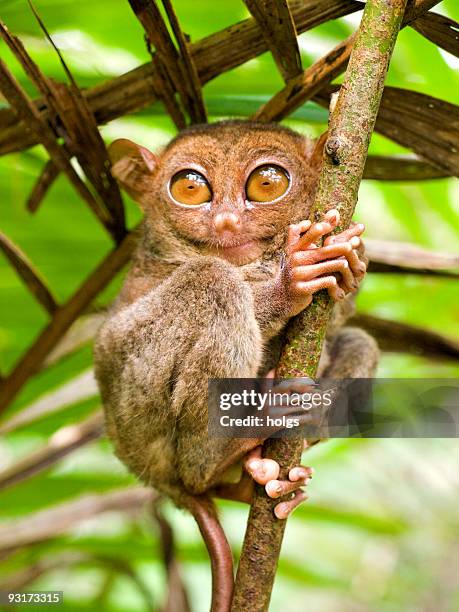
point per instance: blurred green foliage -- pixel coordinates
(381, 531)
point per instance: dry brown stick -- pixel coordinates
(195, 102)
(177, 596)
(304, 86)
(76, 124)
(26, 576)
(405, 258)
(351, 126)
(385, 268)
(33, 119)
(278, 29)
(441, 30)
(29, 275)
(20, 579)
(161, 84)
(31, 69)
(79, 388)
(432, 131)
(64, 316)
(443, 150)
(179, 69)
(212, 55)
(47, 177)
(242, 41)
(51, 522)
(165, 78)
(395, 336)
(83, 137)
(430, 113)
(80, 333)
(63, 442)
(400, 168)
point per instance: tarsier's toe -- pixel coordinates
(298, 477)
(301, 472)
(284, 509)
(262, 470)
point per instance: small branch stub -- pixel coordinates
(332, 149)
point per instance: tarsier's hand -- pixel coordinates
(338, 266)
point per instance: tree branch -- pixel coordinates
(212, 55)
(177, 599)
(63, 442)
(398, 337)
(25, 269)
(351, 126)
(278, 29)
(51, 522)
(63, 318)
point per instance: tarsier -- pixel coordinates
(226, 257)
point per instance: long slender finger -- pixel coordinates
(327, 282)
(316, 231)
(354, 230)
(311, 256)
(305, 273)
(359, 248)
(301, 227)
(279, 488)
(294, 385)
(295, 231)
(357, 262)
(311, 232)
(283, 509)
(355, 242)
(357, 266)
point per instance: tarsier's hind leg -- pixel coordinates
(352, 354)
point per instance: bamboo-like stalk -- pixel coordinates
(351, 126)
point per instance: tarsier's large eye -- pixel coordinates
(267, 183)
(190, 187)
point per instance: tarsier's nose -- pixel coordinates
(227, 221)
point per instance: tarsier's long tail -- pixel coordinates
(203, 510)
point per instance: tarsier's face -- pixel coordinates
(227, 188)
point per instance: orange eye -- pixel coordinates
(190, 187)
(267, 183)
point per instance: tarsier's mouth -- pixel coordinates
(241, 253)
(235, 247)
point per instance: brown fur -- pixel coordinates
(185, 314)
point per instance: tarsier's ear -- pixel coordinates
(131, 164)
(317, 151)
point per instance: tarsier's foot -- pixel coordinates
(266, 471)
(338, 265)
